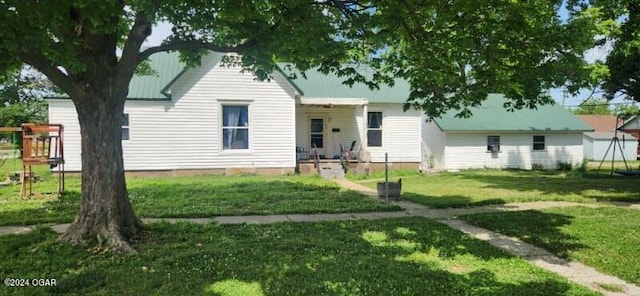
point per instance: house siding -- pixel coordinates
(400, 131)
(400, 134)
(185, 133)
(434, 141)
(64, 112)
(596, 149)
(465, 150)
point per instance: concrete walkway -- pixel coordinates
(573, 271)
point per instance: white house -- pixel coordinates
(496, 138)
(632, 126)
(601, 144)
(215, 118)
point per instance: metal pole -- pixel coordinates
(386, 177)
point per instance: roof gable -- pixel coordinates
(492, 116)
(632, 123)
(318, 85)
(168, 69)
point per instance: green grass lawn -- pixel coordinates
(480, 187)
(606, 238)
(406, 256)
(203, 196)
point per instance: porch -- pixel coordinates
(331, 129)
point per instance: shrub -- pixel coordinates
(565, 166)
(537, 166)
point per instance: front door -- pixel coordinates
(317, 135)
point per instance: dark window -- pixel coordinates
(493, 143)
(317, 132)
(538, 143)
(125, 126)
(374, 129)
(235, 127)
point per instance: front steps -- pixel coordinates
(331, 170)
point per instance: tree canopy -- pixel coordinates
(618, 25)
(593, 107)
(21, 99)
(451, 52)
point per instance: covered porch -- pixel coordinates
(331, 129)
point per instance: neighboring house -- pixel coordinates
(215, 118)
(600, 145)
(494, 137)
(632, 126)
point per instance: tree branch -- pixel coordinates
(129, 59)
(194, 44)
(54, 73)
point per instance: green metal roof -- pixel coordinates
(330, 86)
(492, 116)
(315, 85)
(168, 68)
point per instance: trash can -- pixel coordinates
(395, 189)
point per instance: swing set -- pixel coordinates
(41, 145)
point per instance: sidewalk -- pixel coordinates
(573, 271)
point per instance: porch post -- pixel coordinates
(365, 121)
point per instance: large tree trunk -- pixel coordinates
(106, 216)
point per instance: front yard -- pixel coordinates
(200, 197)
(404, 256)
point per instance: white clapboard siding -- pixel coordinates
(596, 148)
(401, 135)
(469, 150)
(185, 133)
(435, 141)
(63, 111)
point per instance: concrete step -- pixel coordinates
(332, 172)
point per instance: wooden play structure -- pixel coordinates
(42, 144)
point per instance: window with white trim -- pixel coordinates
(493, 143)
(539, 143)
(374, 129)
(235, 127)
(125, 126)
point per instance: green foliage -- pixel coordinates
(21, 97)
(583, 165)
(21, 101)
(593, 107)
(577, 233)
(453, 54)
(626, 111)
(405, 256)
(618, 24)
(564, 166)
(537, 166)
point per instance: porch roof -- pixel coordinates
(330, 87)
(333, 101)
